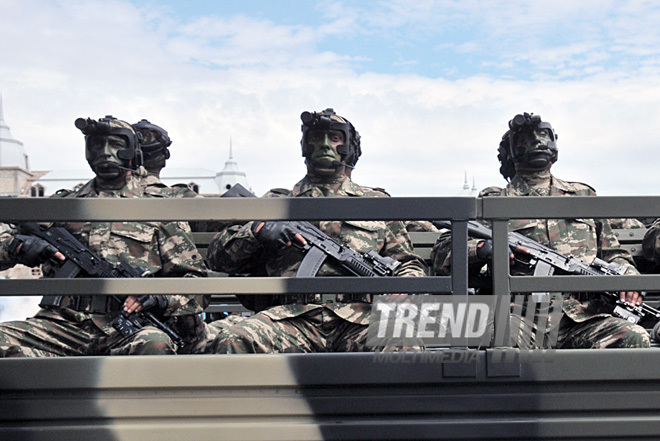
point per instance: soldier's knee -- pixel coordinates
(638, 337)
(147, 342)
(226, 343)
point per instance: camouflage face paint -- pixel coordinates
(324, 156)
(102, 155)
(532, 150)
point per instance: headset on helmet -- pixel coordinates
(527, 122)
(108, 126)
(327, 119)
(154, 140)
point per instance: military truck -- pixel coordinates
(575, 394)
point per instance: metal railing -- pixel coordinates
(502, 209)
(457, 209)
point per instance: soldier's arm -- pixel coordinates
(180, 258)
(6, 261)
(441, 255)
(651, 242)
(610, 247)
(398, 246)
(611, 251)
(234, 250)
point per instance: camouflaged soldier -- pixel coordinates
(83, 325)
(154, 144)
(526, 154)
(651, 244)
(331, 146)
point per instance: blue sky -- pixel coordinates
(457, 39)
(430, 85)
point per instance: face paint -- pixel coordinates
(532, 150)
(102, 155)
(324, 157)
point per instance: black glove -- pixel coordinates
(485, 250)
(154, 300)
(274, 234)
(30, 250)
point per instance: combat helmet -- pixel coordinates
(327, 119)
(108, 126)
(507, 152)
(154, 143)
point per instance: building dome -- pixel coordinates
(230, 175)
(12, 152)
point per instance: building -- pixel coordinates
(14, 166)
(467, 190)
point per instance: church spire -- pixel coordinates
(231, 174)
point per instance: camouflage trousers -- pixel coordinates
(595, 333)
(554, 329)
(48, 337)
(319, 330)
(211, 331)
(601, 332)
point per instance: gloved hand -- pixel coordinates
(273, 234)
(153, 300)
(31, 251)
(485, 250)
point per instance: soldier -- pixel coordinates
(526, 154)
(651, 243)
(331, 147)
(154, 143)
(83, 325)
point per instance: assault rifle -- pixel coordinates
(319, 246)
(80, 259)
(547, 261)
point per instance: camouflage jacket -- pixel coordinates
(651, 242)
(235, 250)
(585, 239)
(420, 227)
(154, 187)
(164, 248)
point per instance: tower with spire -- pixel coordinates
(466, 190)
(14, 165)
(231, 175)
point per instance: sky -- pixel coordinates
(430, 85)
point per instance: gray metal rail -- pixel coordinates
(454, 394)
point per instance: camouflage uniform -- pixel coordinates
(154, 187)
(420, 226)
(587, 321)
(651, 242)
(312, 326)
(164, 248)
(626, 223)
